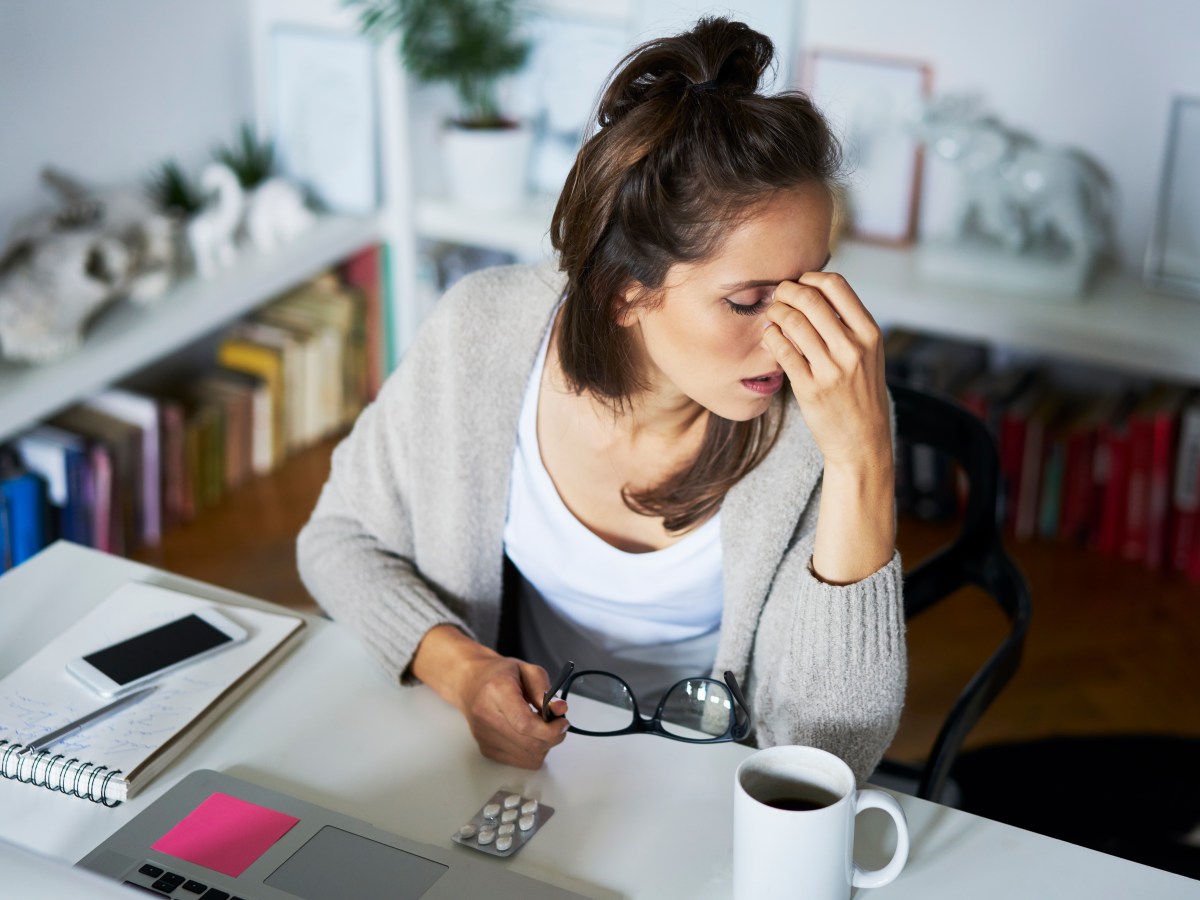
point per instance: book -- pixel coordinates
(265, 363)
(236, 399)
(105, 513)
(1185, 494)
(171, 419)
(1112, 478)
(25, 504)
(1152, 425)
(293, 371)
(110, 761)
(142, 413)
(364, 273)
(1039, 427)
(124, 443)
(61, 458)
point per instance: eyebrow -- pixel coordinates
(768, 282)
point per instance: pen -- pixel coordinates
(83, 722)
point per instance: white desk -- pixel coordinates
(636, 816)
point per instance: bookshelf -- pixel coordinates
(127, 337)
(1119, 325)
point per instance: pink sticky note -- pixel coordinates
(225, 834)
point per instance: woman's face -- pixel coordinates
(703, 342)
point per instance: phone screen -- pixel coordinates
(156, 649)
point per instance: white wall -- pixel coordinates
(1094, 74)
(107, 89)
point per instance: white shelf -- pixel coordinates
(524, 232)
(1119, 324)
(127, 337)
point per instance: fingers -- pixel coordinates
(844, 301)
(502, 721)
(825, 323)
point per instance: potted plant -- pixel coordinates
(471, 45)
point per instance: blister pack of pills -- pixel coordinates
(504, 824)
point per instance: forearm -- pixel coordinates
(856, 524)
(444, 659)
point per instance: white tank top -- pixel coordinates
(621, 599)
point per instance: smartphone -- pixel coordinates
(131, 663)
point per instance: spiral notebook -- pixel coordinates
(111, 760)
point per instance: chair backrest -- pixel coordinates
(976, 558)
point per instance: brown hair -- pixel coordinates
(685, 147)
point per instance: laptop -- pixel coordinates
(216, 837)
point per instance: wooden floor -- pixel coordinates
(1111, 648)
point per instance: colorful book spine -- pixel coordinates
(1185, 500)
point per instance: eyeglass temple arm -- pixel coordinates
(567, 669)
(736, 690)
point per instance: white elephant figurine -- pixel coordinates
(276, 214)
(1020, 193)
(212, 231)
(51, 287)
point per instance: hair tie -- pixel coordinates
(703, 86)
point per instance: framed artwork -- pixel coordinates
(323, 116)
(1173, 259)
(868, 99)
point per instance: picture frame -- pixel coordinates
(1173, 255)
(868, 98)
(323, 116)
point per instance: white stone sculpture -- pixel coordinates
(126, 214)
(1030, 217)
(52, 286)
(276, 214)
(211, 232)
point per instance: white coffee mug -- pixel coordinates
(793, 827)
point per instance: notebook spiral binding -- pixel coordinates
(58, 773)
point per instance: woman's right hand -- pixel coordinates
(498, 696)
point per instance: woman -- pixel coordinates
(681, 441)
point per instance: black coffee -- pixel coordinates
(805, 799)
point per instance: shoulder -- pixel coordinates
(497, 304)
(481, 336)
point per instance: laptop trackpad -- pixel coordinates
(336, 863)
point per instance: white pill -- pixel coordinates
(512, 801)
(525, 822)
(509, 815)
(491, 810)
(529, 807)
(506, 829)
(467, 831)
(503, 843)
(487, 835)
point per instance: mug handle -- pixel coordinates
(871, 878)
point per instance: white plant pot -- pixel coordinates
(487, 168)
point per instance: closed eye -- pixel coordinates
(746, 309)
(750, 302)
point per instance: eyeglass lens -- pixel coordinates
(616, 711)
(697, 709)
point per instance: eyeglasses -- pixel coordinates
(696, 710)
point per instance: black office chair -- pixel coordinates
(975, 558)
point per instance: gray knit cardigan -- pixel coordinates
(408, 532)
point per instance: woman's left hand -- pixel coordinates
(832, 351)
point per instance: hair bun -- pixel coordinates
(716, 56)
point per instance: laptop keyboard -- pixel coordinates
(156, 880)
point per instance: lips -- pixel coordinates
(764, 384)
